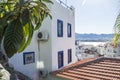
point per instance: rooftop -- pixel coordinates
(92, 69)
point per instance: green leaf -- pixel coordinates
(25, 16)
(13, 37)
(41, 5)
(36, 14)
(27, 39)
(38, 26)
(48, 1)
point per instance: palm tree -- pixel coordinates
(117, 30)
(19, 19)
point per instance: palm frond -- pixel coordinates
(117, 30)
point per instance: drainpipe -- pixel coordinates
(38, 62)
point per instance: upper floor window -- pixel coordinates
(69, 55)
(59, 28)
(60, 59)
(69, 30)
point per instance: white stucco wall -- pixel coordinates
(45, 46)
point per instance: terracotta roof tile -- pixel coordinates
(92, 69)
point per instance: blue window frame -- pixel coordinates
(59, 28)
(28, 57)
(60, 59)
(69, 55)
(69, 30)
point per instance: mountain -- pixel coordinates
(93, 37)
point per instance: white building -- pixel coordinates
(55, 48)
(108, 50)
(86, 51)
(79, 49)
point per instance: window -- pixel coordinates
(69, 30)
(28, 57)
(59, 28)
(69, 55)
(60, 59)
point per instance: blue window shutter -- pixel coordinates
(69, 30)
(69, 55)
(59, 28)
(60, 59)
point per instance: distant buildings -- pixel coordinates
(89, 51)
(108, 50)
(86, 51)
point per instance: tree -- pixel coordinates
(117, 30)
(19, 19)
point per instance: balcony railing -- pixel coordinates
(65, 5)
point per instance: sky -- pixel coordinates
(95, 16)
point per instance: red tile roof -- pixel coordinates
(92, 69)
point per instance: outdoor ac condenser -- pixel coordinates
(42, 36)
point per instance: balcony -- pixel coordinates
(65, 5)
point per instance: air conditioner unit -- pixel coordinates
(42, 36)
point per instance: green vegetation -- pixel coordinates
(19, 20)
(117, 30)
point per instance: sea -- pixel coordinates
(92, 43)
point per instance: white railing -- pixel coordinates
(65, 5)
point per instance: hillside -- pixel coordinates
(93, 37)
